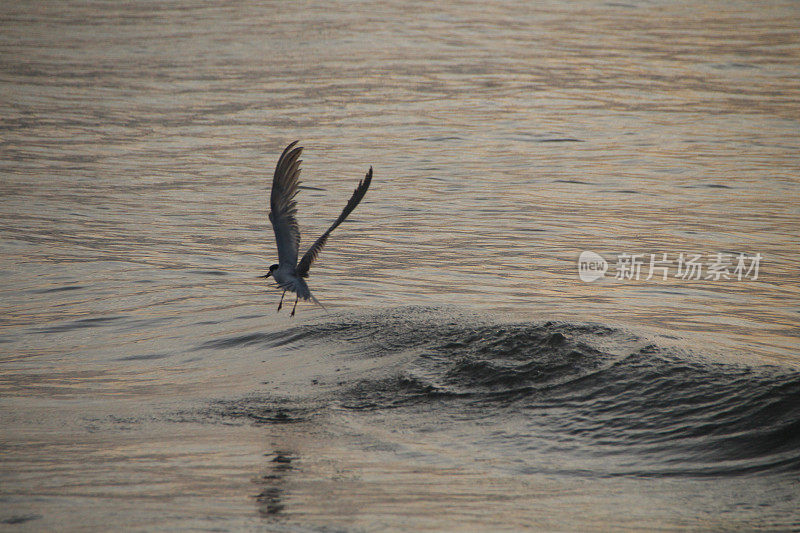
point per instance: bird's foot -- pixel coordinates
(292, 313)
(279, 306)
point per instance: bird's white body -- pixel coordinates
(287, 278)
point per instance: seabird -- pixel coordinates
(288, 273)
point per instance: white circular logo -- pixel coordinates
(591, 266)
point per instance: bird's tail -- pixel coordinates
(317, 302)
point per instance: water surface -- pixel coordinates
(464, 376)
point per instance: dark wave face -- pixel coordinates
(566, 398)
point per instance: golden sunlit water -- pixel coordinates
(464, 376)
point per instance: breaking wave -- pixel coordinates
(614, 403)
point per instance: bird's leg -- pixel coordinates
(295, 306)
(280, 304)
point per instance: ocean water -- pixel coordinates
(463, 376)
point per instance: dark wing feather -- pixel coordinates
(283, 207)
(312, 253)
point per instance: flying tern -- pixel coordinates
(288, 273)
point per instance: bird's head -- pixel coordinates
(272, 269)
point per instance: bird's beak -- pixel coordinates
(268, 274)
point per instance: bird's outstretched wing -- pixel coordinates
(283, 208)
(316, 248)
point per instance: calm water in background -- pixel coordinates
(464, 375)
